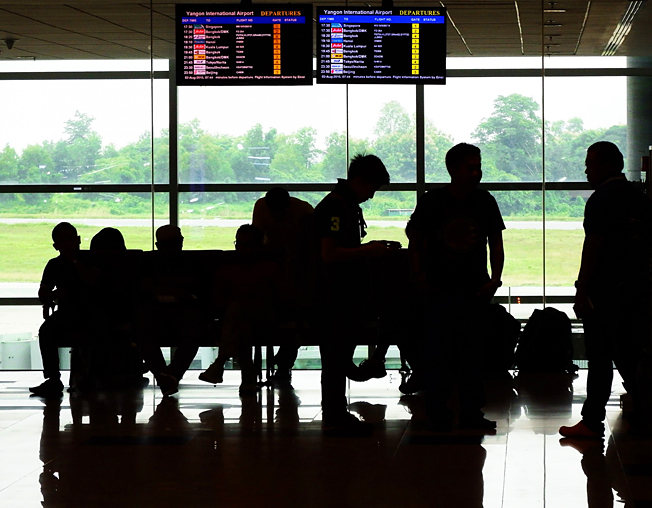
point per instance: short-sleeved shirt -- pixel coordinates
(620, 213)
(62, 274)
(339, 216)
(456, 235)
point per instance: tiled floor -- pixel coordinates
(207, 447)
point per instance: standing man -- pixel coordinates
(344, 284)
(613, 284)
(449, 232)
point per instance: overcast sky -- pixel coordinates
(32, 113)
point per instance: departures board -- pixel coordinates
(266, 44)
(379, 45)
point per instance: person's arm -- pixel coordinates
(496, 262)
(590, 255)
(416, 252)
(331, 252)
(46, 294)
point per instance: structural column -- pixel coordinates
(639, 114)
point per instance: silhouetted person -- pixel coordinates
(285, 223)
(108, 239)
(248, 291)
(62, 285)
(114, 361)
(344, 283)
(612, 296)
(170, 307)
(449, 233)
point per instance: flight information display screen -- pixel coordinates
(378, 45)
(221, 44)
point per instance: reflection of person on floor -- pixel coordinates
(604, 473)
(248, 291)
(170, 307)
(285, 223)
(449, 233)
(344, 284)
(63, 284)
(612, 296)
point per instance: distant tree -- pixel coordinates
(511, 137)
(76, 155)
(437, 143)
(36, 166)
(393, 119)
(8, 165)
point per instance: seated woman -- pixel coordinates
(248, 291)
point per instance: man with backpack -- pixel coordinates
(612, 296)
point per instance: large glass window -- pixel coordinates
(89, 137)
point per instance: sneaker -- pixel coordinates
(50, 388)
(478, 423)
(368, 369)
(168, 384)
(412, 384)
(581, 431)
(212, 375)
(346, 425)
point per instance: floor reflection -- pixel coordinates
(208, 447)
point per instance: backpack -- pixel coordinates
(546, 343)
(502, 334)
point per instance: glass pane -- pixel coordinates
(500, 115)
(209, 220)
(95, 132)
(26, 244)
(574, 122)
(382, 122)
(256, 134)
(387, 214)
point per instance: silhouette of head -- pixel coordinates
(367, 174)
(603, 160)
(248, 240)
(65, 238)
(108, 239)
(464, 165)
(169, 238)
(277, 200)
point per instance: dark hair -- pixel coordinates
(609, 152)
(277, 199)
(248, 229)
(63, 229)
(456, 155)
(369, 168)
(108, 239)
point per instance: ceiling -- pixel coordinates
(122, 29)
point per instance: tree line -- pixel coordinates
(510, 139)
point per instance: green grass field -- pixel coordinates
(25, 248)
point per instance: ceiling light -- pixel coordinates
(552, 25)
(549, 11)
